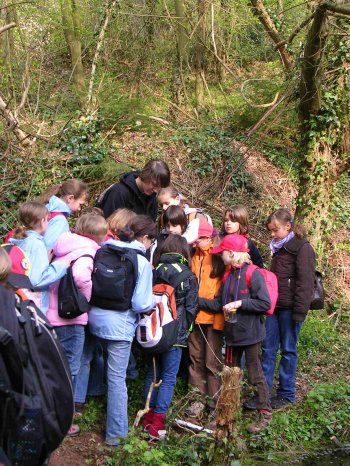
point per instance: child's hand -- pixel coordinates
(50, 255)
(232, 306)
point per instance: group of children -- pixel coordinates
(215, 301)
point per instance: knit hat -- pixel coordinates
(236, 243)
(198, 228)
(20, 267)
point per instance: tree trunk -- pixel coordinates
(146, 47)
(180, 61)
(71, 29)
(200, 54)
(106, 17)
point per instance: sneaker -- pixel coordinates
(156, 430)
(195, 410)
(147, 419)
(251, 403)
(278, 402)
(263, 420)
(74, 430)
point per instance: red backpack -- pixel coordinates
(270, 282)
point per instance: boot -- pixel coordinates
(156, 430)
(147, 419)
(263, 420)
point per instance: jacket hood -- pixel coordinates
(123, 244)
(129, 179)
(172, 258)
(56, 204)
(20, 242)
(71, 242)
(293, 246)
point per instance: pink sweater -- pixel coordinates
(72, 246)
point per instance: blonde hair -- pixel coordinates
(30, 215)
(239, 258)
(91, 226)
(71, 187)
(119, 219)
(5, 265)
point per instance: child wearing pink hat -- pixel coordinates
(244, 308)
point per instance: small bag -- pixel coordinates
(317, 302)
(71, 301)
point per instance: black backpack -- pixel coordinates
(114, 277)
(36, 394)
(71, 301)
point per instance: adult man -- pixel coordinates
(137, 190)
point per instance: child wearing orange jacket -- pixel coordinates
(206, 339)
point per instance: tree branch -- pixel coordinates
(7, 27)
(12, 123)
(342, 9)
(265, 19)
(295, 32)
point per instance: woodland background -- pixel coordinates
(248, 102)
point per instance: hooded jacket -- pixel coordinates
(250, 327)
(294, 265)
(126, 194)
(121, 325)
(73, 246)
(58, 224)
(208, 287)
(42, 273)
(186, 294)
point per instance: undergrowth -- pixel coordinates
(305, 426)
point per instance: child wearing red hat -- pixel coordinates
(244, 308)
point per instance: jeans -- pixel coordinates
(117, 398)
(167, 367)
(283, 332)
(89, 380)
(72, 340)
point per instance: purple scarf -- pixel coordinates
(276, 245)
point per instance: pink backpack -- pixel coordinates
(270, 282)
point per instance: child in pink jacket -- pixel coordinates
(89, 233)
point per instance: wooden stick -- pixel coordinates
(154, 384)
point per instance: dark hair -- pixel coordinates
(157, 172)
(238, 213)
(139, 226)
(176, 244)
(176, 216)
(282, 217)
(71, 187)
(29, 215)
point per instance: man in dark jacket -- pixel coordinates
(137, 190)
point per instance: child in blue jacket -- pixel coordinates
(33, 218)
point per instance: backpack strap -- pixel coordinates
(51, 215)
(84, 255)
(249, 272)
